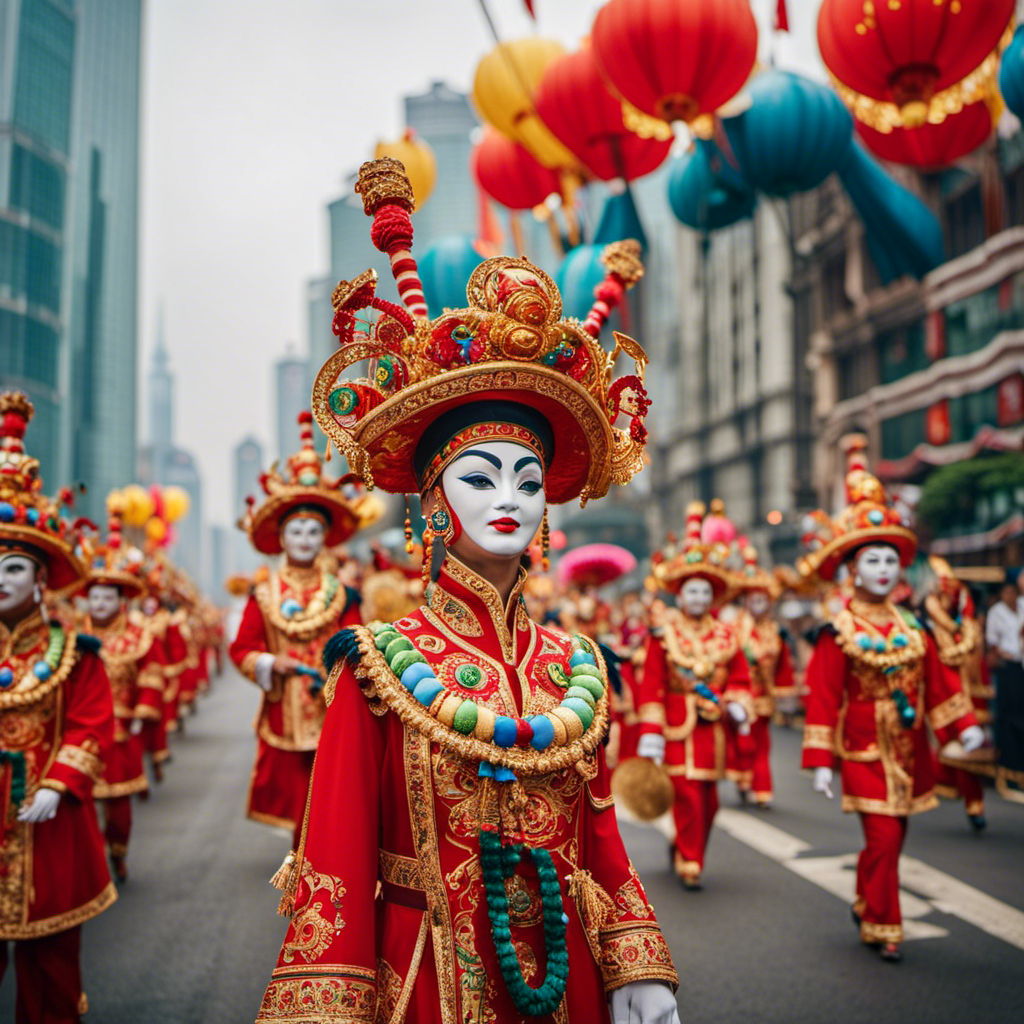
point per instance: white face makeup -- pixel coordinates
(758, 603)
(302, 538)
(104, 602)
(496, 490)
(877, 569)
(696, 597)
(17, 581)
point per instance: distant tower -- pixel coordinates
(294, 393)
(160, 385)
(247, 464)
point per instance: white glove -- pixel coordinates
(643, 1002)
(136, 727)
(653, 746)
(43, 806)
(737, 712)
(263, 671)
(972, 737)
(823, 781)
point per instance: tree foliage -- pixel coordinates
(950, 494)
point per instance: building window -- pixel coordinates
(902, 434)
(902, 352)
(973, 322)
(833, 280)
(42, 91)
(965, 220)
(37, 187)
(857, 372)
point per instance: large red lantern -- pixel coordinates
(574, 102)
(675, 59)
(933, 145)
(509, 175)
(900, 63)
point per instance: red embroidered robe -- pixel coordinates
(394, 802)
(134, 663)
(290, 717)
(682, 653)
(53, 733)
(852, 711)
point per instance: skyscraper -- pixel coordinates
(294, 387)
(37, 43)
(102, 257)
(160, 393)
(246, 464)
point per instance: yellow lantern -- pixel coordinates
(138, 505)
(503, 89)
(419, 162)
(156, 530)
(117, 503)
(176, 503)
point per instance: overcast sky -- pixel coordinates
(253, 112)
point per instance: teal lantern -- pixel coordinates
(445, 269)
(579, 273)
(793, 135)
(706, 192)
(1011, 74)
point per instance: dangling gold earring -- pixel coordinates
(408, 528)
(545, 542)
(428, 539)
(443, 527)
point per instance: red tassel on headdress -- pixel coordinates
(781, 17)
(624, 269)
(388, 198)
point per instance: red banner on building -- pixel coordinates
(937, 427)
(1010, 400)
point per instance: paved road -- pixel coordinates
(194, 935)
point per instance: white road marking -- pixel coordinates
(924, 889)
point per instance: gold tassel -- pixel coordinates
(545, 542)
(408, 528)
(286, 880)
(594, 905)
(327, 451)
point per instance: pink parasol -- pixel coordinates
(594, 564)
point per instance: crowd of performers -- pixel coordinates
(104, 647)
(446, 771)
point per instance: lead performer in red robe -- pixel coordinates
(460, 858)
(696, 685)
(286, 623)
(56, 724)
(874, 679)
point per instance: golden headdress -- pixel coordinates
(506, 367)
(869, 518)
(113, 562)
(754, 576)
(30, 522)
(703, 554)
(303, 489)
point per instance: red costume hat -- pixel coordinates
(699, 557)
(114, 564)
(303, 491)
(506, 367)
(754, 577)
(869, 518)
(30, 522)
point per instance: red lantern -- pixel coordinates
(676, 59)
(906, 52)
(932, 145)
(509, 175)
(574, 102)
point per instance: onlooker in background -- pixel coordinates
(1003, 628)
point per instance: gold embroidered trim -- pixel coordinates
(698, 646)
(399, 870)
(637, 952)
(315, 997)
(17, 697)
(81, 760)
(268, 597)
(872, 933)
(111, 790)
(949, 711)
(861, 617)
(819, 737)
(385, 687)
(60, 922)
(248, 666)
(952, 652)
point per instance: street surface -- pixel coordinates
(195, 933)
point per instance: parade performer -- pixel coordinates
(873, 679)
(949, 616)
(461, 766)
(287, 620)
(133, 659)
(696, 684)
(56, 724)
(771, 669)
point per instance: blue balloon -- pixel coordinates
(903, 236)
(793, 135)
(579, 273)
(1011, 74)
(445, 268)
(705, 192)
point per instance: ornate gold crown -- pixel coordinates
(510, 343)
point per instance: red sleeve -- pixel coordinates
(651, 697)
(826, 676)
(631, 946)
(337, 866)
(948, 708)
(251, 640)
(784, 668)
(352, 615)
(88, 731)
(174, 648)
(151, 683)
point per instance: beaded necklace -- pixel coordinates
(44, 668)
(698, 646)
(289, 617)
(862, 635)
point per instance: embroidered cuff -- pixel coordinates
(819, 737)
(635, 952)
(949, 711)
(324, 994)
(81, 760)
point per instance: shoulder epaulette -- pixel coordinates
(909, 617)
(353, 597)
(344, 644)
(87, 642)
(612, 662)
(814, 633)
